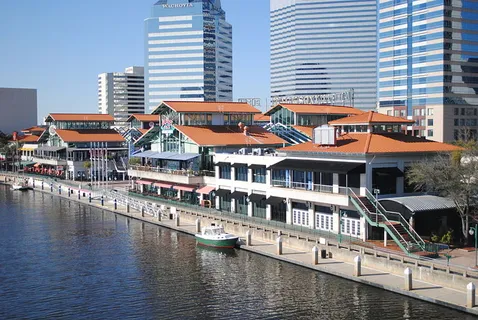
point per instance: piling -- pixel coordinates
(198, 225)
(470, 295)
(315, 255)
(408, 279)
(357, 266)
(279, 245)
(248, 238)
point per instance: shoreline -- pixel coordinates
(370, 276)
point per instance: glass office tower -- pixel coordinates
(188, 52)
(428, 59)
(321, 47)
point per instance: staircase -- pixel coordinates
(396, 226)
(287, 133)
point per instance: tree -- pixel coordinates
(454, 176)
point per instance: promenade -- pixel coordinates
(438, 294)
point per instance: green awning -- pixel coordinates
(25, 163)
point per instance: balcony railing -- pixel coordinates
(313, 187)
(183, 172)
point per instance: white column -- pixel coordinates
(384, 237)
(249, 209)
(335, 187)
(363, 183)
(268, 212)
(363, 229)
(336, 219)
(312, 217)
(217, 202)
(288, 216)
(249, 175)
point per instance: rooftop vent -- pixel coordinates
(325, 135)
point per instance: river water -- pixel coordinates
(62, 260)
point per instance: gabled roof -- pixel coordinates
(34, 129)
(79, 117)
(262, 118)
(370, 117)
(307, 130)
(29, 139)
(143, 117)
(316, 109)
(90, 135)
(375, 143)
(207, 107)
(230, 136)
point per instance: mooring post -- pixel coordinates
(279, 245)
(127, 206)
(470, 295)
(102, 201)
(408, 279)
(177, 219)
(79, 194)
(89, 198)
(315, 255)
(142, 211)
(358, 266)
(116, 204)
(248, 238)
(42, 187)
(198, 225)
(69, 193)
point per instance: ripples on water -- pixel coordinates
(62, 260)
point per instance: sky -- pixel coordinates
(60, 47)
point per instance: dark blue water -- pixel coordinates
(61, 260)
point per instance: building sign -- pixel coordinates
(167, 126)
(177, 5)
(255, 102)
(340, 98)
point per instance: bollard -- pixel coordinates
(116, 204)
(42, 186)
(198, 225)
(159, 215)
(470, 295)
(51, 187)
(279, 233)
(68, 192)
(248, 238)
(79, 194)
(358, 266)
(59, 189)
(33, 183)
(177, 219)
(408, 279)
(279, 245)
(127, 207)
(102, 201)
(315, 255)
(89, 197)
(142, 211)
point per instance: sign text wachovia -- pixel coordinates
(177, 5)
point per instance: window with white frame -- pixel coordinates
(350, 226)
(324, 221)
(300, 217)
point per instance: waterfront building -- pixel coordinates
(121, 94)
(188, 52)
(29, 141)
(177, 156)
(138, 124)
(428, 58)
(322, 47)
(19, 109)
(80, 146)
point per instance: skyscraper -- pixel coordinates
(428, 60)
(188, 52)
(120, 94)
(320, 47)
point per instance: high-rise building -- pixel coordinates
(120, 94)
(18, 109)
(188, 52)
(322, 47)
(428, 59)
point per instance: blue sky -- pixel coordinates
(59, 47)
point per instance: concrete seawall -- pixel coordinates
(382, 270)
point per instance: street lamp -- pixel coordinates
(474, 231)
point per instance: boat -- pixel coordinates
(215, 236)
(20, 186)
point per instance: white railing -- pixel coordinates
(312, 187)
(187, 173)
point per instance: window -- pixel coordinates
(430, 111)
(430, 133)
(422, 122)
(241, 173)
(430, 122)
(225, 171)
(396, 113)
(456, 111)
(389, 112)
(422, 111)
(259, 175)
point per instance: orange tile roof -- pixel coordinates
(371, 143)
(29, 138)
(262, 117)
(143, 117)
(307, 130)
(316, 109)
(370, 117)
(80, 117)
(90, 135)
(230, 136)
(34, 129)
(211, 107)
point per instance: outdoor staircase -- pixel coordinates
(396, 226)
(288, 133)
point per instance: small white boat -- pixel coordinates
(20, 186)
(215, 236)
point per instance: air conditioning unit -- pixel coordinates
(242, 151)
(257, 152)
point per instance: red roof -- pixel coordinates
(29, 138)
(210, 107)
(80, 117)
(144, 117)
(261, 117)
(316, 109)
(370, 143)
(230, 136)
(307, 130)
(370, 117)
(90, 135)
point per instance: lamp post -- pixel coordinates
(342, 214)
(376, 192)
(474, 231)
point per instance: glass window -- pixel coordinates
(430, 133)
(259, 175)
(430, 111)
(430, 122)
(389, 112)
(225, 172)
(241, 173)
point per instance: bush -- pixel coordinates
(447, 237)
(134, 161)
(434, 237)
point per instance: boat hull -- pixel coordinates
(217, 243)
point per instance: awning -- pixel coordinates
(27, 148)
(154, 154)
(320, 166)
(222, 164)
(238, 194)
(183, 156)
(409, 206)
(222, 192)
(256, 197)
(274, 200)
(184, 188)
(162, 185)
(145, 182)
(389, 171)
(25, 163)
(257, 166)
(235, 165)
(49, 148)
(205, 190)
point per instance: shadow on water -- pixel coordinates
(216, 251)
